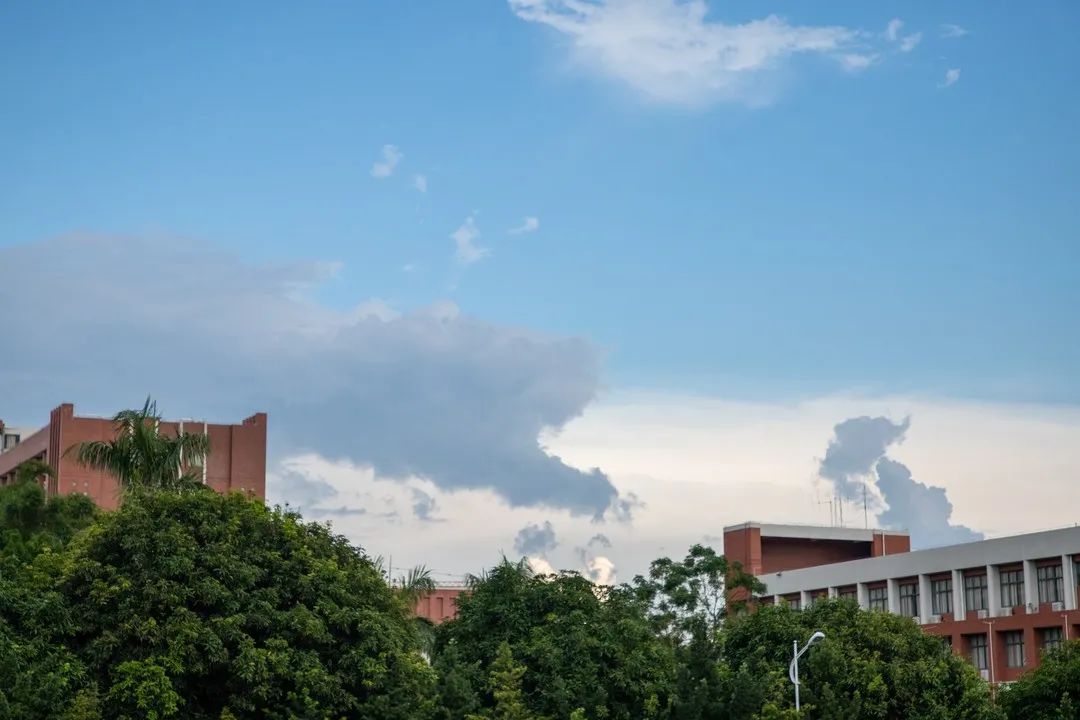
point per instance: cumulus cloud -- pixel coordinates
(430, 393)
(423, 505)
(670, 51)
(854, 62)
(949, 30)
(466, 250)
(384, 168)
(892, 30)
(528, 225)
(419, 182)
(535, 540)
(909, 42)
(952, 76)
(856, 463)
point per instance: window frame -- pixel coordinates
(978, 649)
(1057, 642)
(936, 593)
(875, 602)
(1047, 582)
(1013, 580)
(1014, 648)
(908, 599)
(976, 584)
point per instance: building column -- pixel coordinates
(893, 589)
(776, 600)
(993, 591)
(959, 611)
(862, 595)
(926, 606)
(1068, 575)
(1031, 587)
(832, 593)
(805, 599)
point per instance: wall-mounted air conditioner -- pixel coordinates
(983, 614)
(934, 619)
(1032, 608)
(1058, 606)
(985, 675)
(1005, 612)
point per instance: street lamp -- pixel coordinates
(793, 669)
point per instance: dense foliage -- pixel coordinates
(1051, 692)
(189, 604)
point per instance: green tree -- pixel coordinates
(199, 605)
(870, 665)
(1051, 691)
(584, 646)
(31, 522)
(141, 457)
(505, 687)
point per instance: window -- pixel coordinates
(794, 602)
(977, 651)
(1014, 648)
(1050, 584)
(848, 594)
(941, 595)
(1012, 588)
(1051, 638)
(975, 592)
(909, 600)
(946, 642)
(879, 599)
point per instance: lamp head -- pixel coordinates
(815, 637)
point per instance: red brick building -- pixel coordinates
(999, 602)
(237, 460)
(440, 605)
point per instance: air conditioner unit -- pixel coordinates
(1032, 608)
(1058, 606)
(934, 619)
(1005, 612)
(985, 675)
(983, 614)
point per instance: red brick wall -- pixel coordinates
(779, 554)
(440, 605)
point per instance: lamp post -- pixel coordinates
(793, 669)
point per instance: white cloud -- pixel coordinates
(952, 76)
(670, 52)
(908, 42)
(384, 168)
(466, 250)
(855, 62)
(420, 182)
(528, 225)
(892, 30)
(377, 309)
(949, 30)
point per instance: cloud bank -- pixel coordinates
(431, 394)
(670, 51)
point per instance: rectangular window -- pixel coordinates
(794, 602)
(909, 600)
(975, 592)
(1014, 648)
(1050, 584)
(941, 595)
(848, 594)
(879, 599)
(1012, 588)
(1051, 638)
(977, 651)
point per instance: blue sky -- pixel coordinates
(860, 230)
(867, 198)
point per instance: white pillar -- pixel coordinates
(892, 588)
(776, 600)
(805, 599)
(1068, 575)
(958, 607)
(862, 594)
(926, 607)
(1031, 586)
(832, 593)
(993, 591)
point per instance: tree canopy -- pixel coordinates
(1051, 691)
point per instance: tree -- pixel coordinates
(870, 664)
(584, 646)
(31, 522)
(1049, 692)
(199, 605)
(141, 458)
(505, 686)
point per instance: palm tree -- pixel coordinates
(142, 458)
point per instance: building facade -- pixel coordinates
(441, 604)
(999, 602)
(237, 460)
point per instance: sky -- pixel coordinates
(584, 280)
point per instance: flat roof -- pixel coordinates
(996, 551)
(814, 532)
